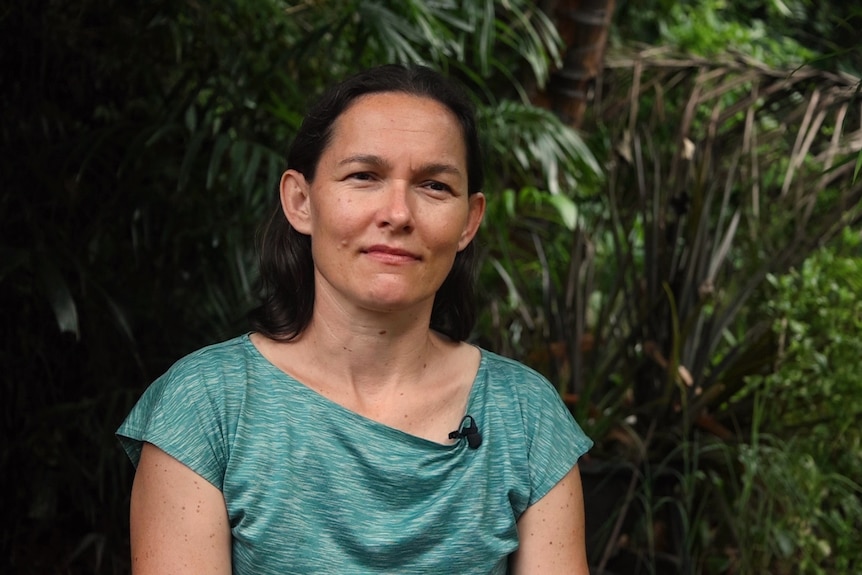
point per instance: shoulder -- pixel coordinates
(508, 366)
(525, 383)
(211, 378)
(192, 409)
(518, 391)
(224, 355)
(213, 366)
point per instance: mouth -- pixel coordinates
(391, 254)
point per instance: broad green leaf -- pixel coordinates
(567, 209)
(56, 290)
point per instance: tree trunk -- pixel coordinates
(583, 26)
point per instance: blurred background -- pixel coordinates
(672, 237)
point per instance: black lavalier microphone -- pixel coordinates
(470, 433)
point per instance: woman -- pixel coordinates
(354, 431)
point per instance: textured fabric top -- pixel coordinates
(312, 487)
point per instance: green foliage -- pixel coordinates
(807, 485)
(134, 136)
(721, 174)
(817, 310)
(646, 313)
(781, 33)
(794, 515)
(707, 28)
(532, 145)
(493, 45)
(787, 502)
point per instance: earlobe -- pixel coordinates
(474, 219)
(295, 201)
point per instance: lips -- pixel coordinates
(391, 254)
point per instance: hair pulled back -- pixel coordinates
(286, 265)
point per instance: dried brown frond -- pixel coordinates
(732, 171)
(799, 133)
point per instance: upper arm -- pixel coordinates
(179, 520)
(551, 532)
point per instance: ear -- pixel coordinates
(474, 219)
(295, 201)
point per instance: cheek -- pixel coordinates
(458, 229)
(447, 241)
(337, 220)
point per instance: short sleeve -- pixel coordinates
(182, 413)
(555, 441)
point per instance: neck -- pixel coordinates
(371, 351)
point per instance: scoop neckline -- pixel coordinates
(394, 432)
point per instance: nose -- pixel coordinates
(397, 209)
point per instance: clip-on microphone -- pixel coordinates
(470, 433)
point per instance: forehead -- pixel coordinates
(393, 117)
(396, 101)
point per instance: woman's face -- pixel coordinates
(388, 208)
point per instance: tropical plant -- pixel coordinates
(781, 33)
(720, 173)
(794, 514)
(805, 479)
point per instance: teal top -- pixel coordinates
(312, 487)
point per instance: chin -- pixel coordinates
(394, 303)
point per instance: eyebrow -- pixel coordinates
(376, 161)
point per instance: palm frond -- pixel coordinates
(533, 144)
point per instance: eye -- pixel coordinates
(361, 176)
(437, 186)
